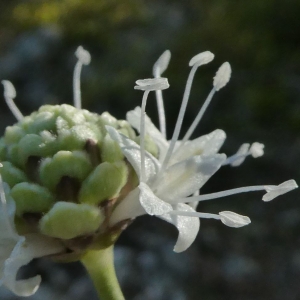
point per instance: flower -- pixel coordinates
(73, 180)
(183, 167)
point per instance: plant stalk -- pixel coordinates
(100, 266)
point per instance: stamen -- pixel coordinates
(195, 62)
(232, 219)
(159, 67)
(273, 191)
(238, 158)
(152, 84)
(84, 58)
(142, 135)
(147, 85)
(9, 94)
(228, 218)
(277, 190)
(220, 80)
(256, 150)
(195, 214)
(222, 76)
(221, 194)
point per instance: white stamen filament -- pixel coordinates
(160, 106)
(198, 117)
(179, 119)
(84, 58)
(256, 150)
(222, 194)
(159, 67)
(161, 113)
(9, 95)
(234, 158)
(195, 214)
(142, 134)
(76, 84)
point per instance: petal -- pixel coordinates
(33, 246)
(8, 234)
(132, 151)
(204, 145)
(188, 227)
(188, 176)
(130, 207)
(151, 203)
(134, 118)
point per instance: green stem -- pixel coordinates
(100, 266)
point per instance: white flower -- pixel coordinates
(183, 166)
(17, 251)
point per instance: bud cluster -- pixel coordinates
(65, 171)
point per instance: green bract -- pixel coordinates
(66, 173)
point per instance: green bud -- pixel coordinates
(126, 129)
(12, 175)
(30, 145)
(111, 151)
(105, 182)
(69, 220)
(150, 146)
(13, 134)
(74, 164)
(43, 121)
(31, 198)
(3, 149)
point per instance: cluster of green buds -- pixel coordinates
(66, 174)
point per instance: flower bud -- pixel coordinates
(66, 173)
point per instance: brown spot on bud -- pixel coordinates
(68, 188)
(91, 147)
(32, 167)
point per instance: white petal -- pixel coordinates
(275, 191)
(33, 246)
(83, 55)
(134, 118)
(161, 64)
(130, 207)
(222, 76)
(186, 177)
(204, 145)
(151, 203)
(233, 219)
(132, 151)
(202, 58)
(188, 227)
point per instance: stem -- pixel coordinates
(100, 266)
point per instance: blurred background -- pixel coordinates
(261, 40)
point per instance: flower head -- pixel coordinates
(73, 180)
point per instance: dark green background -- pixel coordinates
(261, 40)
